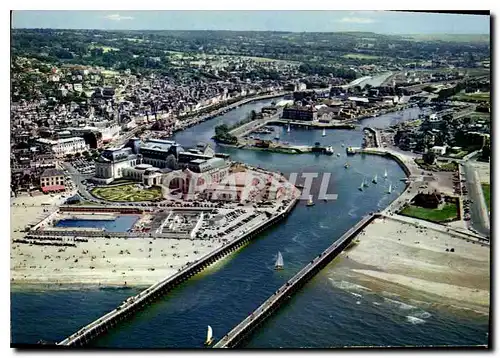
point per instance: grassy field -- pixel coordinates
(486, 193)
(482, 96)
(360, 56)
(128, 192)
(105, 48)
(448, 211)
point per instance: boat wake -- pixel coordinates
(323, 226)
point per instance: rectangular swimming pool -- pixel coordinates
(121, 223)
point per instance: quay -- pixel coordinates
(249, 324)
(189, 122)
(159, 289)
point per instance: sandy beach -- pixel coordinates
(401, 257)
(103, 261)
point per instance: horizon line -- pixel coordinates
(226, 30)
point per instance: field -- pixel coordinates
(482, 97)
(486, 193)
(105, 48)
(360, 56)
(128, 192)
(448, 211)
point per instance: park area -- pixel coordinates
(486, 193)
(473, 97)
(128, 192)
(445, 213)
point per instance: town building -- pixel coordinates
(62, 147)
(52, 180)
(300, 113)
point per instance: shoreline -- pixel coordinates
(411, 261)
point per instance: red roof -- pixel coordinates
(53, 188)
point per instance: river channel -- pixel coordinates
(330, 311)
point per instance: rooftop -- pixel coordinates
(52, 172)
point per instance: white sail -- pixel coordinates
(209, 334)
(279, 260)
(385, 173)
(390, 189)
(288, 130)
(375, 179)
(324, 132)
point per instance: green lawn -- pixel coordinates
(486, 193)
(361, 56)
(128, 192)
(483, 96)
(449, 211)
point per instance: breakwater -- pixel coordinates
(242, 330)
(151, 294)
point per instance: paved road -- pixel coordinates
(480, 220)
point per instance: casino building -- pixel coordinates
(157, 161)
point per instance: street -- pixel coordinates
(479, 214)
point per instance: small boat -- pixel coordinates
(390, 189)
(365, 183)
(324, 132)
(279, 262)
(310, 202)
(374, 180)
(361, 186)
(346, 165)
(338, 154)
(277, 136)
(288, 129)
(210, 337)
(385, 174)
(343, 145)
(329, 150)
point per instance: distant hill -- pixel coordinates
(449, 37)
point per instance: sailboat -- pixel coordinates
(365, 183)
(374, 179)
(288, 129)
(343, 145)
(346, 165)
(324, 132)
(385, 174)
(390, 189)
(329, 150)
(362, 185)
(279, 262)
(277, 136)
(210, 337)
(310, 202)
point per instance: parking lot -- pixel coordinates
(84, 166)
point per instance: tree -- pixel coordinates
(429, 157)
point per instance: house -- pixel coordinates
(52, 180)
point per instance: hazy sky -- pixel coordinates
(372, 21)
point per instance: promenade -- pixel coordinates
(152, 293)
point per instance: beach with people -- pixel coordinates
(99, 261)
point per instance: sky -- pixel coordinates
(382, 22)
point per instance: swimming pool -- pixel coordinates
(121, 223)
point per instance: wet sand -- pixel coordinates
(392, 254)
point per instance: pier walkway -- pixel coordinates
(154, 292)
(242, 330)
